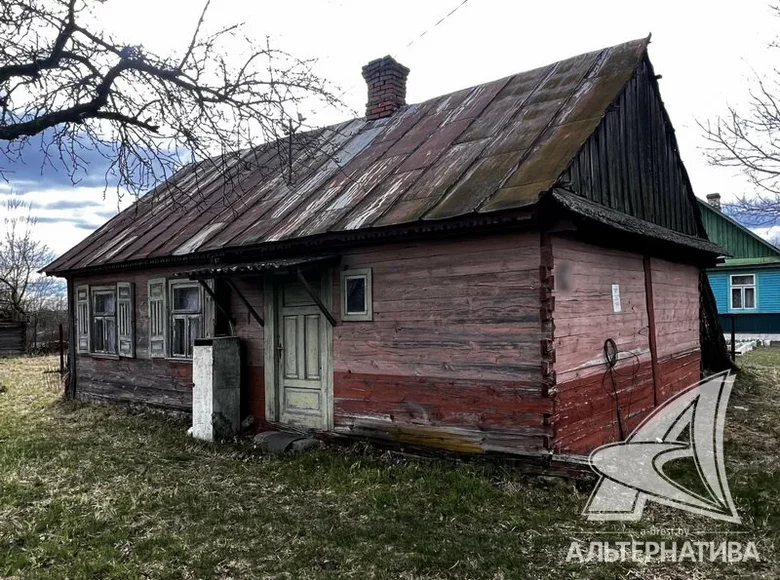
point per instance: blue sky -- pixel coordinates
(707, 54)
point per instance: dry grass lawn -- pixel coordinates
(100, 492)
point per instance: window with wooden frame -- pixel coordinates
(743, 291)
(186, 317)
(105, 319)
(356, 299)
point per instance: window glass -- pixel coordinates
(742, 280)
(750, 297)
(105, 303)
(186, 298)
(179, 346)
(736, 298)
(193, 332)
(186, 322)
(104, 338)
(356, 295)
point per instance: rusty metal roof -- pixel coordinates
(488, 148)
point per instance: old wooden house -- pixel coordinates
(446, 274)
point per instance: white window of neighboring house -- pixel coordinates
(104, 337)
(743, 291)
(186, 317)
(356, 299)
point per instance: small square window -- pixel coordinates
(356, 302)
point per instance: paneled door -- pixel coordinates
(302, 359)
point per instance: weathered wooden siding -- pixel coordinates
(452, 356)
(156, 382)
(584, 316)
(253, 343)
(585, 414)
(631, 162)
(12, 338)
(587, 395)
(676, 305)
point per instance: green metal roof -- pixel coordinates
(742, 245)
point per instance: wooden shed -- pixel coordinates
(12, 338)
(446, 274)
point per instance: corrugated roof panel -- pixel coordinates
(477, 184)
(429, 151)
(371, 181)
(525, 128)
(621, 57)
(568, 75)
(588, 99)
(432, 185)
(552, 155)
(365, 212)
(277, 198)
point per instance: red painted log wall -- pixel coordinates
(252, 336)
(452, 357)
(587, 396)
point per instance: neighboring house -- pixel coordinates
(447, 274)
(747, 284)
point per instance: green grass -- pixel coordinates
(103, 492)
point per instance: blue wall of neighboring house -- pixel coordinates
(765, 317)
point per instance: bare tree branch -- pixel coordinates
(65, 80)
(749, 140)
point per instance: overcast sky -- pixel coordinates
(707, 52)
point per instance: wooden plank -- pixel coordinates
(250, 308)
(651, 327)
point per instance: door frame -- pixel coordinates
(272, 310)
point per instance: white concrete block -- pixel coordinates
(216, 397)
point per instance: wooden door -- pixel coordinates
(303, 361)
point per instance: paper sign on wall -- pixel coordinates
(615, 297)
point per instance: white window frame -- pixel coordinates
(187, 315)
(93, 317)
(742, 288)
(368, 313)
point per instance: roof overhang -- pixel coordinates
(594, 214)
(281, 266)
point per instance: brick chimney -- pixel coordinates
(386, 80)
(714, 200)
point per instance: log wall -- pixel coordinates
(156, 382)
(452, 356)
(474, 345)
(253, 345)
(676, 299)
(587, 394)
